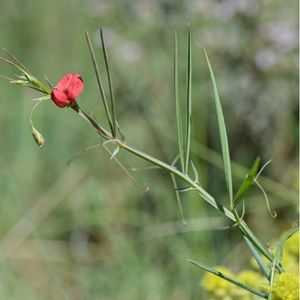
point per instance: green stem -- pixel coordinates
(205, 195)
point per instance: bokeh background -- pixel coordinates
(85, 231)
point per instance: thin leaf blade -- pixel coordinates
(99, 81)
(177, 105)
(258, 258)
(247, 182)
(188, 102)
(110, 85)
(222, 133)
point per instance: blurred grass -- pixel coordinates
(102, 238)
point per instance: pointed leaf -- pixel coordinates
(188, 102)
(258, 258)
(99, 81)
(223, 134)
(112, 98)
(247, 182)
(177, 105)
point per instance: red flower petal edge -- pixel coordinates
(67, 90)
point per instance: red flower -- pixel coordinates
(67, 90)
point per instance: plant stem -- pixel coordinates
(232, 215)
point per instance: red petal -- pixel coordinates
(64, 82)
(75, 87)
(59, 98)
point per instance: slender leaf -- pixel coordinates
(177, 104)
(188, 102)
(258, 258)
(99, 81)
(257, 243)
(223, 134)
(247, 182)
(228, 278)
(112, 99)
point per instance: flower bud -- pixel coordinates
(38, 138)
(67, 90)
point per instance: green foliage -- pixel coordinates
(247, 182)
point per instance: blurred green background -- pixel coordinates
(85, 231)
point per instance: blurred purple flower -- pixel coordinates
(284, 35)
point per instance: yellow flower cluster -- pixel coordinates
(220, 289)
(285, 287)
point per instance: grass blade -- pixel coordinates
(112, 99)
(188, 102)
(247, 183)
(223, 134)
(177, 104)
(228, 278)
(100, 85)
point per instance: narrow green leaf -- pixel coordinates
(228, 278)
(247, 182)
(99, 81)
(256, 242)
(112, 98)
(258, 258)
(177, 104)
(223, 134)
(188, 102)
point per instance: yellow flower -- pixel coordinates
(220, 289)
(251, 278)
(286, 287)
